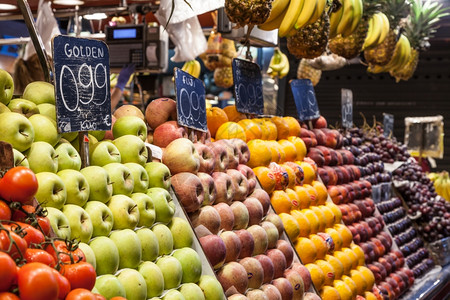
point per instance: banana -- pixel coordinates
(285, 70)
(186, 66)
(279, 62)
(374, 32)
(275, 23)
(307, 12)
(196, 69)
(291, 16)
(334, 21)
(357, 15)
(384, 27)
(278, 7)
(406, 53)
(347, 16)
(317, 12)
(397, 56)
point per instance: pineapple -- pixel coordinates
(223, 77)
(395, 10)
(306, 71)
(310, 41)
(248, 12)
(349, 47)
(420, 26)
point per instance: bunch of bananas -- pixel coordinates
(346, 19)
(400, 58)
(290, 15)
(441, 182)
(192, 67)
(378, 30)
(279, 64)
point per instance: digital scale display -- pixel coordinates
(125, 33)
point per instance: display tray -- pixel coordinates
(434, 285)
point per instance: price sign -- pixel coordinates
(347, 108)
(305, 99)
(191, 106)
(248, 87)
(388, 124)
(82, 90)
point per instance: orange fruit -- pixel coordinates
(303, 196)
(232, 113)
(352, 256)
(303, 223)
(290, 226)
(329, 216)
(293, 197)
(320, 216)
(312, 193)
(312, 218)
(215, 116)
(294, 126)
(300, 146)
(320, 244)
(281, 202)
(370, 296)
(359, 280)
(336, 264)
(230, 130)
(346, 234)
(289, 149)
(281, 176)
(278, 154)
(282, 127)
(351, 284)
(252, 129)
(272, 129)
(336, 211)
(297, 171)
(359, 253)
(264, 128)
(368, 275)
(329, 293)
(345, 260)
(265, 178)
(317, 275)
(308, 172)
(322, 192)
(336, 236)
(291, 176)
(343, 289)
(306, 250)
(260, 154)
(327, 269)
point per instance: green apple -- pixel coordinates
(51, 190)
(146, 209)
(191, 264)
(132, 149)
(88, 253)
(130, 125)
(100, 185)
(129, 246)
(182, 233)
(98, 134)
(158, 175)
(173, 295)
(171, 270)
(45, 129)
(20, 159)
(80, 223)
(70, 136)
(125, 212)
(59, 223)
(42, 157)
(153, 277)
(17, 130)
(103, 153)
(140, 177)
(101, 217)
(6, 87)
(149, 243)
(164, 237)
(109, 286)
(211, 287)
(122, 180)
(39, 92)
(24, 107)
(106, 255)
(191, 291)
(76, 142)
(4, 108)
(133, 283)
(164, 206)
(68, 157)
(48, 110)
(77, 187)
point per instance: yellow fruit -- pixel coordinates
(289, 149)
(327, 270)
(346, 234)
(336, 264)
(351, 284)
(282, 127)
(291, 177)
(300, 146)
(290, 226)
(232, 114)
(281, 202)
(336, 236)
(320, 244)
(336, 211)
(260, 154)
(345, 260)
(322, 192)
(368, 275)
(277, 151)
(230, 130)
(306, 250)
(359, 253)
(320, 216)
(343, 289)
(312, 218)
(308, 171)
(329, 293)
(360, 281)
(329, 216)
(264, 128)
(215, 117)
(352, 256)
(370, 296)
(252, 129)
(317, 275)
(312, 193)
(303, 223)
(303, 195)
(272, 129)
(265, 178)
(294, 126)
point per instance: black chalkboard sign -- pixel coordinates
(247, 81)
(388, 124)
(305, 99)
(191, 106)
(82, 87)
(347, 108)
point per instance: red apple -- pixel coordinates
(232, 244)
(272, 293)
(237, 297)
(247, 243)
(278, 260)
(226, 216)
(109, 134)
(267, 266)
(240, 184)
(232, 275)
(256, 294)
(128, 110)
(159, 111)
(241, 216)
(304, 272)
(208, 217)
(221, 156)
(272, 234)
(189, 190)
(167, 132)
(255, 271)
(263, 198)
(209, 188)
(250, 175)
(206, 157)
(285, 287)
(286, 248)
(296, 281)
(255, 210)
(224, 187)
(232, 151)
(202, 231)
(244, 152)
(181, 156)
(214, 249)
(260, 237)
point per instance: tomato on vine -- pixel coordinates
(80, 275)
(8, 274)
(32, 235)
(18, 184)
(39, 255)
(12, 243)
(5, 211)
(81, 294)
(63, 284)
(8, 296)
(37, 281)
(30, 214)
(68, 252)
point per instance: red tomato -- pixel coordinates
(5, 211)
(17, 248)
(63, 284)
(32, 236)
(28, 214)
(39, 255)
(80, 275)
(118, 298)
(8, 272)
(37, 282)
(66, 251)
(81, 294)
(99, 297)
(18, 184)
(8, 296)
